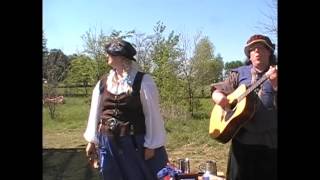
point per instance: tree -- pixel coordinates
(94, 47)
(81, 71)
(44, 45)
(202, 56)
(55, 66)
(164, 53)
(270, 25)
(115, 34)
(231, 65)
(44, 53)
(143, 45)
(187, 74)
(207, 68)
(162, 61)
(216, 67)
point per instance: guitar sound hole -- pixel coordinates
(230, 110)
(233, 103)
(229, 114)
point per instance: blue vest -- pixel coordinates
(267, 96)
(264, 122)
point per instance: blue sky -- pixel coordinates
(227, 23)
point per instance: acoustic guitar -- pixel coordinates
(226, 122)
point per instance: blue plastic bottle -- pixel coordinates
(206, 176)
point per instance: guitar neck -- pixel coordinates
(253, 87)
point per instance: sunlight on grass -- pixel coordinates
(71, 115)
(185, 137)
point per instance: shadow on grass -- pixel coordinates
(67, 164)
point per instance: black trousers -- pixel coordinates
(251, 162)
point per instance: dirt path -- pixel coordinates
(67, 164)
(200, 154)
(71, 163)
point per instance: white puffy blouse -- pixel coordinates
(155, 132)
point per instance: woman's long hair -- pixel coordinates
(128, 65)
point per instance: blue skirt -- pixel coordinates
(124, 159)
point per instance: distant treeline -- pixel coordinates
(182, 67)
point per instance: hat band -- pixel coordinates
(260, 40)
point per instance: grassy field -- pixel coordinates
(186, 138)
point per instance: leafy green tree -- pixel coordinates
(216, 69)
(207, 68)
(82, 72)
(202, 56)
(162, 60)
(94, 47)
(231, 65)
(115, 34)
(73, 56)
(164, 53)
(55, 66)
(187, 75)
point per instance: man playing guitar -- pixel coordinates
(253, 150)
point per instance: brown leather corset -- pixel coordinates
(125, 108)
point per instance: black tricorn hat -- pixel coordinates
(120, 47)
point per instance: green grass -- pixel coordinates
(74, 90)
(185, 137)
(192, 131)
(71, 115)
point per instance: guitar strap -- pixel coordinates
(255, 76)
(257, 93)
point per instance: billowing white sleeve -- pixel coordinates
(91, 130)
(155, 132)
